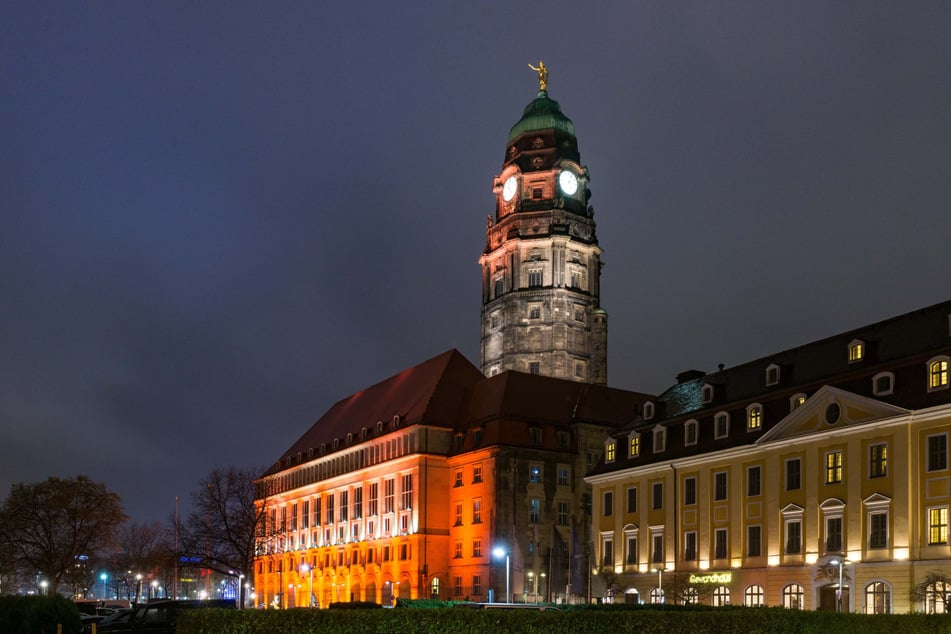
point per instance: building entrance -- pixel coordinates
(829, 598)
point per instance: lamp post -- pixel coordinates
(499, 552)
(103, 577)
(305, 567)
(838, 594)
(545, 587)
(533, 579)
(660, 585)
(153, 591)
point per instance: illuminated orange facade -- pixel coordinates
(406, 487)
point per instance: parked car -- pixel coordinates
(157, 617)
(119, 615)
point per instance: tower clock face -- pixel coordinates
(568, 183)
(508, 190)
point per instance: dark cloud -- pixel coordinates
(216, 221)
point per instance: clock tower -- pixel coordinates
(541, 266)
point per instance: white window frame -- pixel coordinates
(691, 427)
(891, 383)
(856, 351)
(649, 410)
(796, 401)
(718, 418)
(947, 372)
(754, 407)
(774, 374)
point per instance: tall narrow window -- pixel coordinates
(793, 536)
(834, 534)
(720, 543)
(721, 425)
(754, 480)
(754, 417)
(632, 499)
(630, 556)
(938, 525)
(878, 530)
(406, 492)
(793, 474)
(690, 546)
(609, 451)
(856, 351)
(833, 467)
(691, 432)
(719, 486)
(534, 510)
(754, 541)
(657, 548)
(657, 495)
(938, 452)
(877, 460)
(477, 511)
(635, 446)
(690, 491)
(608, 503)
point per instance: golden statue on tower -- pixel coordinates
(542, 75)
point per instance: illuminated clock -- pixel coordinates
(508, 190)
(568, 183)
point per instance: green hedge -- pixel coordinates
(38, 615)
(576, 621)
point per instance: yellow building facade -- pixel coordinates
(806, 495)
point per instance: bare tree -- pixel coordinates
(46, 527)
(220, 532)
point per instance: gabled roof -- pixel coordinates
(430, 393)
(810, 417)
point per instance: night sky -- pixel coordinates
(218, 219)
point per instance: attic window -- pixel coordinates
(856, 350)
(660, 439)
(300, 456)
(634, 445)
(396, 421)
(721, 425)
(691, 432)
(364, 433)
(796, 401)
(883, 384)
(610, 448)
(310, 452)
(379, 427)
(706, 394)
(938, 374)
(754, 417)
(648, 410)
(336, 443)
(323, 447)
(772, 375)
(349, 438)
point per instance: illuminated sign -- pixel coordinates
(713, 577)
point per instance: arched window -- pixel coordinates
(691, 432)
(878, 598)
(657, 595)
(936, 597)
(754, 596)
(754, 417)
(721, 596)
(938, 374)
(434, 588)
(691, 596)
(793, 597)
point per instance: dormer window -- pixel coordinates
(396, 421)
(379, 427)
(610, 449)
(634, 445)
(754, 417)
(721, 425)
(772, 375)
(349, 438)
(856, 350)
(883, 383)
(938, 374)
(648, 410)
(796, 401)
(691, 432)
(706, 394)
(364, 433)
(660, 439)
(336, 443)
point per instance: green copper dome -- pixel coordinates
(542, 114)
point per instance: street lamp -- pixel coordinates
(533, 578)
(838, 594)
(660, 585)
(103, 577)
(305, 568)
(44, 585)
(498, 552)
(153, 592)
(545, 587)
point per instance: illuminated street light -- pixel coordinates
(660, 585)
(498, 552)
(305, 567)
(103, 577)
(838, 594)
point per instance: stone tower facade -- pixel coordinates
(541, 266)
